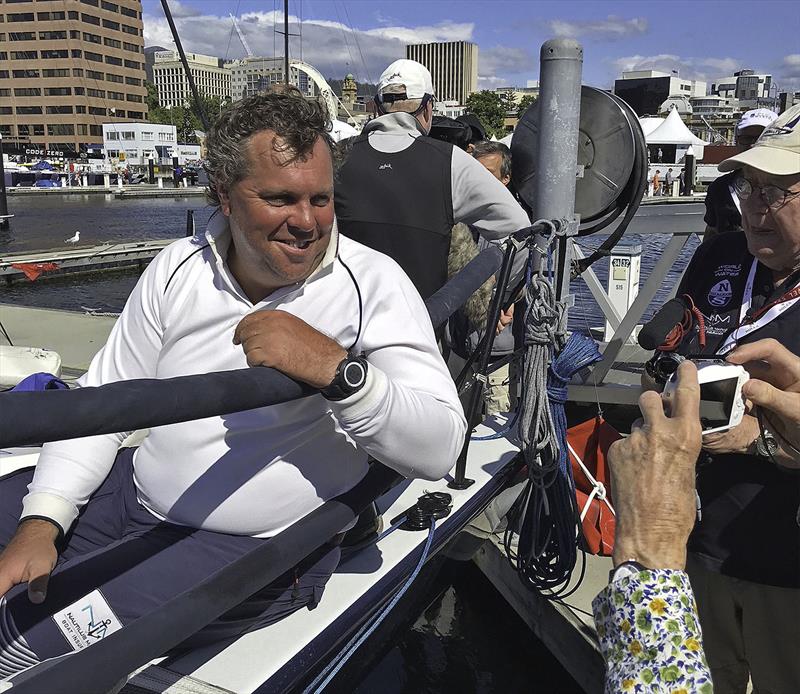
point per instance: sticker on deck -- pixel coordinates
(87, 620)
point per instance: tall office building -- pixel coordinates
(254, 75)
(453, 67)
(67, 67)
(212, 77)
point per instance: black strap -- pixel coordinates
(181, 264)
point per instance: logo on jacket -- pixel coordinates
(730, 270)
(720, 294)
(385, 166)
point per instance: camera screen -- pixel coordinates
(716, 402)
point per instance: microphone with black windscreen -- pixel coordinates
(654, 333)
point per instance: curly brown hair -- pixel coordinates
(297, 121)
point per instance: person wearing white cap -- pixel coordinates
(744, 551)
(723, 211)
(400, 192)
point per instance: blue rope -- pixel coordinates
(332, 669)
(499, 434)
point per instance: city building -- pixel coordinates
(211, 77)
(67, 67)
(787, 100)
(753, 90)
(150, 59)
(134, 144)
(254, 75)
(453, 67)
(646, 90)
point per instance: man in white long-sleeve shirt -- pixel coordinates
(271, 283)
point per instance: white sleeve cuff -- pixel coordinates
(366, 399)
(51, 506)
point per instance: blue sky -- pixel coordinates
(703, 39)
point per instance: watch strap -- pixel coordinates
(350, 377)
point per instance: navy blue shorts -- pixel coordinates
(137, 563)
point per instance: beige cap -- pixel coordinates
(777, 151)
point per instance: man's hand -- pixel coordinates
(653, 478)
(505, 319)
(29, 558)
(289, 344)
(775, 387)
(739, 439)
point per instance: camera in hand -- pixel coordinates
(722, 405)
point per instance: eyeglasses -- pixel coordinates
(773, 196)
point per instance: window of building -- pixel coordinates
(5, 130)
(22, 36)
(130, 47)
(95, 57)
(52, 35)
(110, 6)
(29, 110)
(91, 38)
(112, 135)
(37, 129)
(60, 129)
(72, 14)
(112, 43)
(93, 3)
(73, 34)
(3, 73)
(147, 136)
(96, 130)
(50, 16)
(58, 72)
(116, 96)
(26, 55)
(27, 91)
(83, 129)
(165, 137)
(135, 114)
(58, 91)
(4, 56)
(80, 109)
(108, 24)
(21, 16)
(96, 93)
(135, 81)
(6, 110)
(5, 92)
(90, 19)
(23, 130)
(110, 77)
(77, 72)
(58, 109)
(2, 36)
(128, 135)
(133, 31)
(96, 110)
(128, 12)
(95, 75)
(76, 53)
(111, 60)
(133, 64)
(53, 55)
(25, 74)
(135, 98)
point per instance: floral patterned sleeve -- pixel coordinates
(650, 635)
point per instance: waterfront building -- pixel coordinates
(134, 144)
(646, 90)
(65, 68)
(453, 67)
(211, 76)
(451, 109)
(254, 75)
(751, 89)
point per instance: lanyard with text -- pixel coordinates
(760, 318)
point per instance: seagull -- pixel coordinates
(74, 238)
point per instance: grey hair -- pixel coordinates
(484, 148)
(295, 120)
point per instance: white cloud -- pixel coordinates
(788, 74)
(610, 29)
(332, 47)
(687, 67)
(491, 82)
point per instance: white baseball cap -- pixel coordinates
(412, 75)
(777, 151)
(758, 116)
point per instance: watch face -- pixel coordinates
(354, 374)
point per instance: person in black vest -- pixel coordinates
(400, 192)
(744, 552)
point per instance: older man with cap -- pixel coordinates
(744, 551)
(401, 192)
(723, 209)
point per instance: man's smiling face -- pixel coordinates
(281, 215)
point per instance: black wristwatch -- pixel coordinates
(350, 377)
(765, 445)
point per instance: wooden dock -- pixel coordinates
(79, 259)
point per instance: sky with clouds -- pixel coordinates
(702, 39)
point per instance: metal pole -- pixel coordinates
(198, 106)
(3, 200)
(286, 42)
(561, 63)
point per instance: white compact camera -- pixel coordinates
(722, 405)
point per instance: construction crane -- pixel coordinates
(240, 34)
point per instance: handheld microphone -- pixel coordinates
(655, 331)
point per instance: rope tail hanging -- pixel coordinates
(545, 517)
